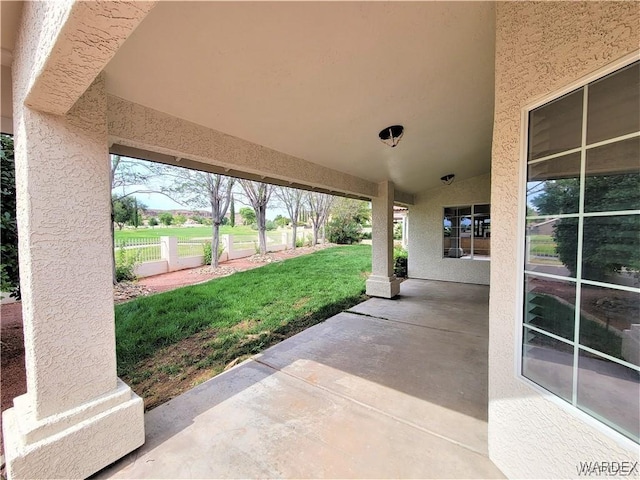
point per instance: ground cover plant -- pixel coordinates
(167, 343)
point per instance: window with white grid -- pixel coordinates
(581, 316)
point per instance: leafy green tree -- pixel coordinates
(281, 221)
(153, 221)
(136, 213)
(248, 216)
(166, 218)
(609, 243)
(125, 210)
(347, 218)
(9, 269)
(179, 219)
(270, 225)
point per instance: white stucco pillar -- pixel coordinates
(77, 416)
(405, 230)
(382, 282)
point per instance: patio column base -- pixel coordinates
(76, 443)
(384, 287)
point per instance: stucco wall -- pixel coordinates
(196, 146)
(425, 233)
(540, 48)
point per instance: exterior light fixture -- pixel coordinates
(447, 179)
(391, 135)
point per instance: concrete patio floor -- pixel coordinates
(389, 389)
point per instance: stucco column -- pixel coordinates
(382, 282)
(76, 416)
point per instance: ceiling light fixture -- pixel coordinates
(447, 179)
(391, 135)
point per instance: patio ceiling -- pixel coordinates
(319, 80)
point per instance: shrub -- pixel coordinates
(400, 259)
(206, 248)
(166, 218)
(344, 231)
(397, 231)
(153, 221)
(9, 271)
(299, 242)
(366, 235)
(270, 225)
(125, 264)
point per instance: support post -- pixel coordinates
(169, 252)
(382, 282)
(77, 416)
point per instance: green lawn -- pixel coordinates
(153, 252)
(268, 303)
(542, 245)
(187, 232)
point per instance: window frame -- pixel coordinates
(472, 255)
(519, 320)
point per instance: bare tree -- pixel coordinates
(202, 189)
(319, 205)
(292, 200)
(259, 194)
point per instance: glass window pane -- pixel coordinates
(614, 105)
(613, 177)
(457, 231)
(611, 249)
(610, 392)
(549, 304)
(556, 127)
(553, 186)
(481, 236)
(548, 362)
(482, 209)
(610, 322)
(453, 231)
(543, 252)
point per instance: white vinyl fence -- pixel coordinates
(154, 256)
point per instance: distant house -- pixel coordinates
(545, 227)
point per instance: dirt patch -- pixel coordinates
(245, 325)
(301, 303)
(124, 291)
(173, 370)
(12, 381)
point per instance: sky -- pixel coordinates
(158, 201)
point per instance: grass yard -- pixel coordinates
(542, 245)
(169, 342)
(186, 232)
